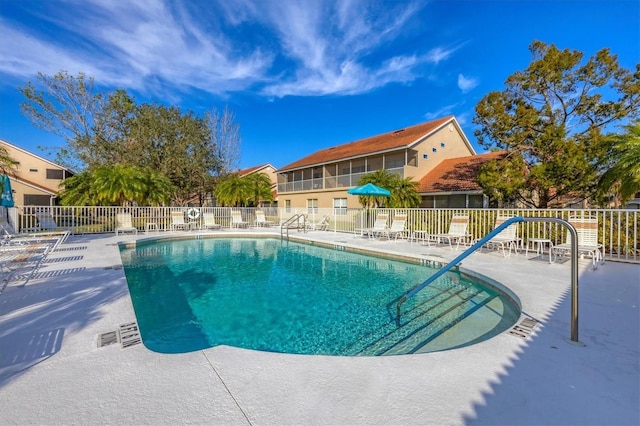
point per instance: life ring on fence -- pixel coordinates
(193, 213)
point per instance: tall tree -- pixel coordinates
(225, 140)
(552, 116)
(66, 106)
(622, 179)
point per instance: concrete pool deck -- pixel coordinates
(52, 372)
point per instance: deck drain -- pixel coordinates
(129, 334)
(106, 339)
(524, 329)
(113, 267)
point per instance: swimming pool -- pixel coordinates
(280, 296)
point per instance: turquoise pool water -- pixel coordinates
(279, 296)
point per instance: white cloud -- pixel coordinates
(278, 48)
(442, 112)
(466, 84)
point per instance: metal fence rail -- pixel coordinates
(618, 230)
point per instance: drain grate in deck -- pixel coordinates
(106, 339)
(129, 334)
(524, 329)
(113, 267)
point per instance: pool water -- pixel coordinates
(279, 296)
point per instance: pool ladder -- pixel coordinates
(455, 263)
(298, 219)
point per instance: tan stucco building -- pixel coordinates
(321, 180)
(35, 180)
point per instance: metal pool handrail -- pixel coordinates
(295, 218)
(455, 262)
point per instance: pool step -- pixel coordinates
(424, 329)
(424, 322)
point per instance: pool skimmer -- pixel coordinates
(127, 334)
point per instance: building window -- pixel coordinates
(55, 174)
(312, 205)
(425, 156)
(287, 206)
(340, 206)
(36, 200)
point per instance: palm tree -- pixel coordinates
(233, 190)
(78, 190)
(404, 193)
(623, 177)
(157, 188)
(260, 184)
(117, 184)
(381, 178)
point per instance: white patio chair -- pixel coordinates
(507, 238)
(397, 228)
(236, 220)
(457, 232)
(124, 223)
(177, 221)
(587, 231)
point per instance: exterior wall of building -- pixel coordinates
(325, 199)
(35, 180)
(446, 143)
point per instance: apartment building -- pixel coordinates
(321, 179)
(35, 180)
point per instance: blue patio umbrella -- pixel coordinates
(7, 194)
(369, 190)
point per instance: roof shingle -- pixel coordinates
(457, 174)
(392, 140)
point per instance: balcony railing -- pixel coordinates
(332, 182)
(618, 230)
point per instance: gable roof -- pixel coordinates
(17, 148)
(402, 138)
(250, 170)
(457, 174)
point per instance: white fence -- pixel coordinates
(618, 230)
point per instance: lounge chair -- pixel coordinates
(236, 220)
(209, 221)
(380, 224)
(261, 220)
(397, 228)
(321, 225)
(587, 231)
(22, 260)
(177, 221)
(55, 238)
(457, 232)
(507, 238)
(124, 223)
(46, 222)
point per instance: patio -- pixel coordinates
(51, 370)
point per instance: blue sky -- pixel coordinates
(299, 75)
